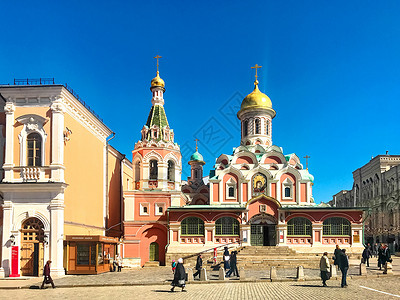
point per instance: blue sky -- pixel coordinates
(331, 69)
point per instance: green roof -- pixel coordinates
(157, 117)
(196, 156)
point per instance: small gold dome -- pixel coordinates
(256, 99)
(157, 81)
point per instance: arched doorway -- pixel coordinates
(153, 252)
(32, 247)
(263, 230)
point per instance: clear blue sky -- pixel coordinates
(331, 69)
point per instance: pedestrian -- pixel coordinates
(47, 278)
(179, 276)
(343, 266)
(233, 265)
(376, 248)
(173, 266)
(199, 265)
(336, 255)
(119, 263)
(226, 259)
(380, 256)
(366, 255)
(324, 268)
(386, 257)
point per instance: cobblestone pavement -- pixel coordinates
(162, 275)
(357, 289)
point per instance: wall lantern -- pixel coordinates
(12, 239)
(46, 239)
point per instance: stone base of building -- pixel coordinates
(2, 273)
(132, 262)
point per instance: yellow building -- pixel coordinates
(60, 176)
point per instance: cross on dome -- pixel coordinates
(256, 67)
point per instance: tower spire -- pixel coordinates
(157, 57)
(197, 149)
(256, 67)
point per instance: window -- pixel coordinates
(153, 169)
(192, 226)
(257, 126)
(246, 128)
(287, 192)
(137, 171)
(231, 189)
(287, 187)
(171, 170)
(82, 254)
(336, 226)
(267, 127)
(144, 209)
(226, 226)
(159, 209)
(34, 144)
(299, 226)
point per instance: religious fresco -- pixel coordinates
(259, 184)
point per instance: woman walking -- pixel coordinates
(226, 259)
(179, 276)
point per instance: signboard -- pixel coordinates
(14, 261)
(281, 236)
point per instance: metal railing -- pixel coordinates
(212, 249)
(82, 102)
(34, 81)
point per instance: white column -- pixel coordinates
(57, 140)
(56, 240)
(5, 266)
(245, 234)
(9, 109)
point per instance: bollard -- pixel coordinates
(221, 275)
(242, 273)
(333, 271)
(363, 269)
(300, 273)
(190, 277)
(272, 274)
(203, 274)
(388, 269)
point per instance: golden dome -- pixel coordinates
(256, 99)
(157, 81)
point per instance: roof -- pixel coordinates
(207, 207)
(157, 117)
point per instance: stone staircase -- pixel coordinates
(151, 264)
(262, 257)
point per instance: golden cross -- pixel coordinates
(196, 144)
(157, 57)
(256, 67)
(307, 157)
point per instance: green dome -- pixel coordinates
(196, 157)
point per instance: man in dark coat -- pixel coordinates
(386, 257)
(366, 255)
(233, 263)
(199, 265)
(343, 266)
(47, 278)
(380, 257)
(179, 276)
(336, 255)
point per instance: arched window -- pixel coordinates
(287, 187)
(34, 144)
(336, 226)
(192, 226)
(299, 226)
(267, 127)
(153, 169)
(137, 171)
(227, 226)
(32, 230)
(171, 170)
(246, 128)
(257, 126)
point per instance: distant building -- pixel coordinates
(377, 187)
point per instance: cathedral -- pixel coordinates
(53, 147)
(255, 196)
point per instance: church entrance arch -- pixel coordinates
(263, 230)
(32, 247)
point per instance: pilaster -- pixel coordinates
(56, 241)
(6, 243)
(57, 140)
(317, 234)
(8, 166)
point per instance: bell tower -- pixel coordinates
(156, 157)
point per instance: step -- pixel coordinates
(151, 264)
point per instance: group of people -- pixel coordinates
(381, 251)
(230, 263)
(340, 259)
